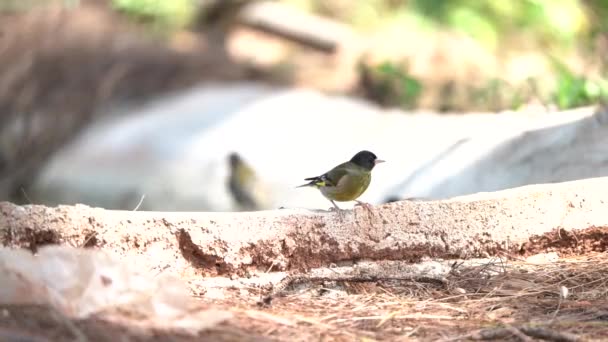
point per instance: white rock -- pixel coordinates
(543, 258)
(175, 150)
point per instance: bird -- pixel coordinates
(347, 181)
(244, 186)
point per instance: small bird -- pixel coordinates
(347, 181)
(244, 185)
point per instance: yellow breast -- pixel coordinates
(349, 188)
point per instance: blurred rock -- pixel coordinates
(550, 149)
(62, 65)
(136, 152)
(80, 283)
(175, 151)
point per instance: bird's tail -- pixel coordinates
(314, 181)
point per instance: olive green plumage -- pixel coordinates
(243, 184)
(347, 181)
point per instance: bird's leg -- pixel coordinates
(336, 208)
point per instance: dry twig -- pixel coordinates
(549, 335)
(292, 280)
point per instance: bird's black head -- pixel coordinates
(366, 159)
(234, 159)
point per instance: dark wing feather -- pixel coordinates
(337, 173)
(330, 178)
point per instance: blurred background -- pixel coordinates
(203, 105)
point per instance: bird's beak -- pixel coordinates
(378, 161)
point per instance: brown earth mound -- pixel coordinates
(358, 292)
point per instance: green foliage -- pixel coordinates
(597, 11)
(164, 14)
(12, 6)
(393, 85)
(365, 15)
(495, 94)
(574, 90)
(549, 22)
(569, 90)
(556, 27)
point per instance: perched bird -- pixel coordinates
(347, 181)
(244, 186)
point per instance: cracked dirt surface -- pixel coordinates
(224, 257)
(518, 221)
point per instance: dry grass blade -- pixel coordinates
(522, 333)
(517, 333)
(549, 335)
(20, 335)
(553, 301)
(296, 279)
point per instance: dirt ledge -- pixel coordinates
(523, 220)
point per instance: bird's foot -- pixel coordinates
(371, 213)
(338, 210)
(365, 205)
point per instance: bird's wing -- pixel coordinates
(330, 178)
(334, 176)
